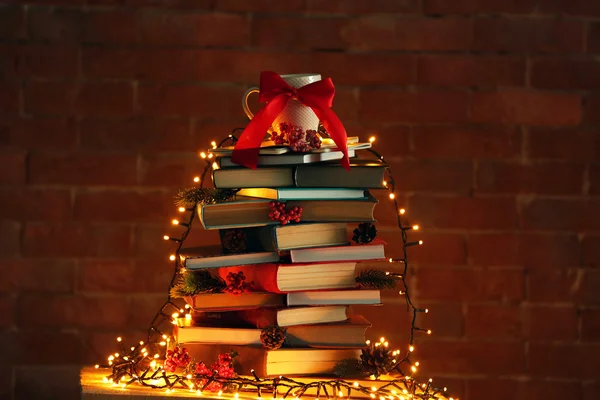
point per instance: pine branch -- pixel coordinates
(349, 368)
(191, 283)
(377, 279)
(191, 196)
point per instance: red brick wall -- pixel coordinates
(488, 110)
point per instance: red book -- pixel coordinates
(283, 278)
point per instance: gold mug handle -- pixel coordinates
(247, 110)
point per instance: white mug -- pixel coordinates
(294, 112)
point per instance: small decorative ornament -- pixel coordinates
(298, 140)
(236, 283)
(177, 357)
(377, 279)
(278, 212)
(190, 283)
(223, 368)
(273, 336)
(234, 241)
(365, 233)
(377, 359)
(191, 196)
(349, 368)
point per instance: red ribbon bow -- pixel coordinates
(276, 93)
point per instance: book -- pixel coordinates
(363, 175)
(350, 333)
(194, 258)
(217, 335)
(303, 193)
(338, 297)
(248, 212)
(274, 362)
(296, 236)
(263, 317)
(289, 159)
(372, 251)
(283, 278)
(229, 302)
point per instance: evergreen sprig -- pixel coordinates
(191, 196)
(377, 279)
(194, 282)
(349, 368)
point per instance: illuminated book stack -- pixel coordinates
(279, 291)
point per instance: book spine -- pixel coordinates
(200, 211)
(295, 176)
(260, 318)
(268, 238)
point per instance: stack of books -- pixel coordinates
(303, 273)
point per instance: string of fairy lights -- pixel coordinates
(142, 363)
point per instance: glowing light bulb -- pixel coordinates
(203, 154)
(429, 331)
(210, 155)
(371, 139)
(166, 237)
(119, 339)
(415, 227)
(402, 211)
(96, 366)
(392, 196)
(420, 242)
(196, 179)
(175, 221)
(411, 348)
(215, 165)
(426, 310)
(172, 257)
(213, 144)
(181, 209)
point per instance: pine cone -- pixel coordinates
(377, 360)
(234, 241)
(272, 337)
(365, 233)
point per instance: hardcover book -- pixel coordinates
(350, 333)
(194, 258)
(246, 212)
(275, 362)
(363, 175)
